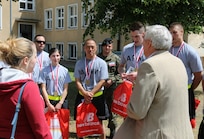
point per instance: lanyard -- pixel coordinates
(53, 76)
(136, 59)
(88, 69)
(40, 61)
(179, 50)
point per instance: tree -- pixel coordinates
(116, 15)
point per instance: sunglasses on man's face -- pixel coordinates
(40, 42)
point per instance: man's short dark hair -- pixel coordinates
(136, 26)
(176, 24)
(38, 36)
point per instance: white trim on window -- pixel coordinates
(27, 34)
(72, 15)
(82, 50)
(72, 50)
(84, 19)
(60, 46)
(48, 17)
(27, 5)
(59, 17)
(48, 46)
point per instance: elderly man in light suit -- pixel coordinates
(158, 107)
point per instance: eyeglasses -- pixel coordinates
(40, 42)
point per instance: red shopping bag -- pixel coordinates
(121, 97)
(58, 123)
(87, 122)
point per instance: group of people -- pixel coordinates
(24, 61)
(164, 69)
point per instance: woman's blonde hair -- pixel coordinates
(13, 50)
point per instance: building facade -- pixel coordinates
(63, 23)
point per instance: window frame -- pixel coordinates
(59, 19)
(48, 21)
(84, 19)
(26, 2)
(70, 44)
(58, 45)
(48, 46)
(73, 17)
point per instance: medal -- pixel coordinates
(55, 93)
(87, 82)
(88, 71)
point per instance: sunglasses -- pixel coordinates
(40, 42)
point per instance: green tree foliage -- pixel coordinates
(116, 15)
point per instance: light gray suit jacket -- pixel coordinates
(158, 107)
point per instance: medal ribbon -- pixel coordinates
(136, 59)
(53, 76)
(40, 61)
(180, 48)
(87, 69)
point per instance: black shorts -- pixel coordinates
(191, 100)
(100, 104)
(64, 105)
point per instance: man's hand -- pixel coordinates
(88, 96)
(129, 76)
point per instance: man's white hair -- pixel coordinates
(160, 36)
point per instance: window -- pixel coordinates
(27, 5)
(60, 46)
(82, 50)
(100, 48)
(26, 30)
(72, 50)
(0, 16)
(72, 15)
(48, 18)
(48, 46)
(59, 17)
(85, 20)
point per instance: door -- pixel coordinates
(26, 30)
